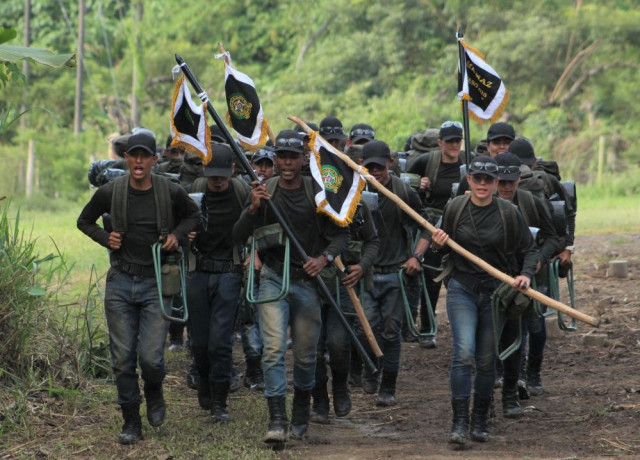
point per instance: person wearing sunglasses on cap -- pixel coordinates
(474, 221)
(439, 170)
(301, 306)
(536, 215)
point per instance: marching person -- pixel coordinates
(214, 286)
(144, 209)
(475, 222)
(300, 308)
(383, 304)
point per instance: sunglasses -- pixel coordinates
(331, 130)
(482, 178)
(291, 142)
(508, 169)
(449, 124)
(480, 166)
(363, 132)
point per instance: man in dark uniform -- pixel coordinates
(300, 308)
(143, 207)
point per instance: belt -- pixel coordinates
(216, 266)
(134, 269)
(476, 284)
(386, 270)
(296, 273)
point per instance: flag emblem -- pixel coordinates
(332, 178)
(240, 107)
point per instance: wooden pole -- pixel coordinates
(452, 244)
(366, 327)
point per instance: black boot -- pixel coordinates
(193, 378)
(132, 428)
(320, 407)
(219, 393)
(341, 395)
(300, 412)
(355, 370)
(387, 394)
(156, 407)
(253, 377)
(277, 430)
(204, 394)
(480, 419)
(510, 402)
(534, 382)
(370, 381)
(460, 426)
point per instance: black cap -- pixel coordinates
(450, 130)
(501, 129)
(361, 131)
(142, 140)
(265, 153)
(221, 161)
(508, 166)
(216, 134)
(484, 164)
(289, 140)
(524, 150)
(375, 152)
(297, 128)
(331, 129)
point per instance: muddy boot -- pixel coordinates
(370, 381)
(320, 408)
(480, 419)
(460, 426)
(156, 407)
(341, 395)
(534, 382)
(219, 393)
(132, 428)
(300, 412)
(510, 402)
(253, 376)
(277, 430)
(193, 378)
(204, 394)
(387, 394)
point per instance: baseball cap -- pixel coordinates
(375, 152)
(501, 129)
(331, 129)
(221, 161)
(524, 150)
(484, 164)
(265, 153)
(142, 140)
(297, 128)
(508, 166)
(361, 131)
(289, 140)
(450, 130)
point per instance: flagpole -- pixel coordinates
(272, 206)
(452, 244)
(465, 103)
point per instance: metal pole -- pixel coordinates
(292, 238)
(465, 103)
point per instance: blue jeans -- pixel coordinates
(301, 310)
(384, 308)
(137, 332)
(212, 299)
(469, 314)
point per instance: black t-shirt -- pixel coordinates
(224, 211)
(448, 174)
(142, 231)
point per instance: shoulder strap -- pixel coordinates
(528, 208)
(431, 168)
(241, 190)
(164, 215)
(399, 187)
(119, 204)
(308, 190)
(509, 223)
(455, 208)
(271, 185)
(199, 185)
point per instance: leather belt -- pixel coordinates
(476, 284)
(296, 273)
(216, 266)
(134, 269)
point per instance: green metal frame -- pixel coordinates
(498, 324)
(411, 327)
(157, 264)
(286, 276)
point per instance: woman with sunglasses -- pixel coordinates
(475, 222)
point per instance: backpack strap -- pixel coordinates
(164, 215)
(431, 169)
(509, 216)
(119, 204)
(199, 185)
(528, 208)
(451, 217)
(241, 190)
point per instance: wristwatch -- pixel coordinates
(570, 249)
(330, 257)
(419, 257)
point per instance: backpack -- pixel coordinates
(550, 167)
(120, 204)
(528, 208)
(533, 181)
(240, 188)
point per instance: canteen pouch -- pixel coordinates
(511, 303)
(268, 237)
(170, 276)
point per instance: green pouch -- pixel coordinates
(511, 303)
(268, 236)
(170, 275)
(412, 179)
(353, 253)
